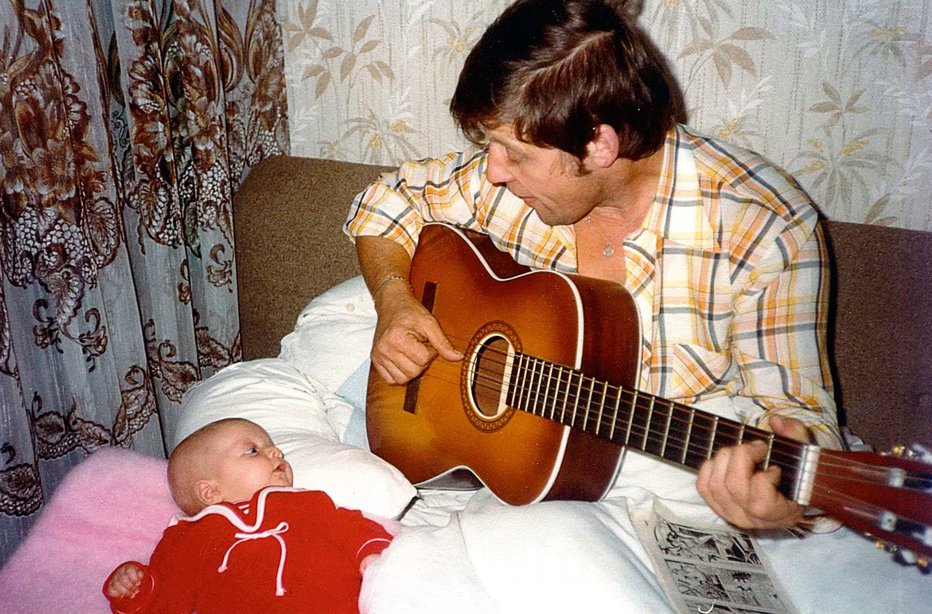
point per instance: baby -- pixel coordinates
(250, 542)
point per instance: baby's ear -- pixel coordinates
(207, 492)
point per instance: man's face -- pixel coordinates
(546, 179)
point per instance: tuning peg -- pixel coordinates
(916, 451)
(905, 557)
(919, 452)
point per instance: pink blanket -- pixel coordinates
(111, 508)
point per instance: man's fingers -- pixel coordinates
(439, 341)
(790, 427)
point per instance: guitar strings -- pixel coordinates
(492, 382)
(828, 468)
(720, 427)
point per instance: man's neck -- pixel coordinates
(630, 187)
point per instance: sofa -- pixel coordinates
(289, 248)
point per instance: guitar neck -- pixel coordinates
(672, 431)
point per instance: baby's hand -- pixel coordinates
(125, 581)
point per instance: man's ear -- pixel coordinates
(602, 150)
(207, 492)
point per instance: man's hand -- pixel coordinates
(743, 496)
(407, 337)
(125, 581)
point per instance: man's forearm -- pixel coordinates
(384, 264)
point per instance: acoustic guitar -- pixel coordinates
(545, 400)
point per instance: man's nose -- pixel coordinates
(497, 165)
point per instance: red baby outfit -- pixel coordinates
(286, 550)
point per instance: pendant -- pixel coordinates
(608, 251)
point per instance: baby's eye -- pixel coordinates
(251, 451)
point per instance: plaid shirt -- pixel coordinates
(729, 270)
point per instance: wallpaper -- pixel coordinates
(838, 92)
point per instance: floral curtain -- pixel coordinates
(126, 127)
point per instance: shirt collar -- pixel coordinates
(679, 213)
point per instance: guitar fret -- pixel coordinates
(557, 392)
(689, 433)
(572, 421)
(566, 397)
(546, 379)
(588, 404)
(769, 450)
(634, 398)
(611, 434)
(650, 416)
(711, 447)
(540, 388)
(741, 434)
(601, 407)
(666, 432)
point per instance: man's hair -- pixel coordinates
(556, 69)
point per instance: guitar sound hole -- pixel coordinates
(490, 368)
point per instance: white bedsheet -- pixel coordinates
(469, 553)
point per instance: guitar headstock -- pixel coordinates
(917, 453)
(887, 497)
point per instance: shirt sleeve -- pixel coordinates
(447, 189)
(169, 581)
(358, 535)
(780, 333)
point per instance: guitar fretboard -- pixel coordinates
(672, 431)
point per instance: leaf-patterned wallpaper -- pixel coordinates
(839, 92)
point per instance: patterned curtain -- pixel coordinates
(126, 127)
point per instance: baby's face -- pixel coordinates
(246, 461)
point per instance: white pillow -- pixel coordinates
(333, 334)
(294, 410)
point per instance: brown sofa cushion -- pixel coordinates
(289, 244)
(881, 332)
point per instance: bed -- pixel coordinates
(305, 378)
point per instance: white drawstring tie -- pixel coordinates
(275, 533)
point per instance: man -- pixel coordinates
(582, 168)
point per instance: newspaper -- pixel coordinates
(709, 568)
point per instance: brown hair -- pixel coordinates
(556, 69)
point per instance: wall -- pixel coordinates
(839, 92)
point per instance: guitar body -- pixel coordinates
(454, 416)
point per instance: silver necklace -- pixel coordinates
(608, 251)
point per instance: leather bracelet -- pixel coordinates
(385, 282)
